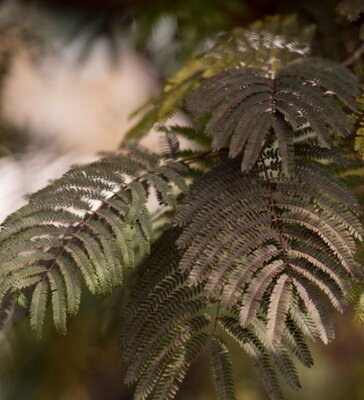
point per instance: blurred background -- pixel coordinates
(71, 73)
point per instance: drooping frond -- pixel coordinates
(266, 44)
(246, 105)
(265, 236)
(356, 297)
(278, 307)
(87, 225)
(222, 370)
(359, 142)
(167, 324)
(269, 359)
(164, 324)
(354, 177)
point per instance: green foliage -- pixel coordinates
(359, 140)
(222, 370)
(90, 225)
(261, 45)
(190, 28)
(357, 298)
(354, 175)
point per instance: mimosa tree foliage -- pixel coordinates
(260, 229)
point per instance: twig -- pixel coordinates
(358, 53)
(201, 156)
(217, 314)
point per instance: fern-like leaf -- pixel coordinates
(38, 307)
(246, 237)
(278, 307)
(167, 324)
(245, 103)
(83, 225)
(222, 370)
(255, 46)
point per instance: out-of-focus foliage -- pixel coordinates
(359, 140)
(18, 33)
(169, 31)
(352, 10)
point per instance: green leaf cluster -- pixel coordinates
(260, 45)
(87, 227)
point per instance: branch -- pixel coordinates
(358, 53)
